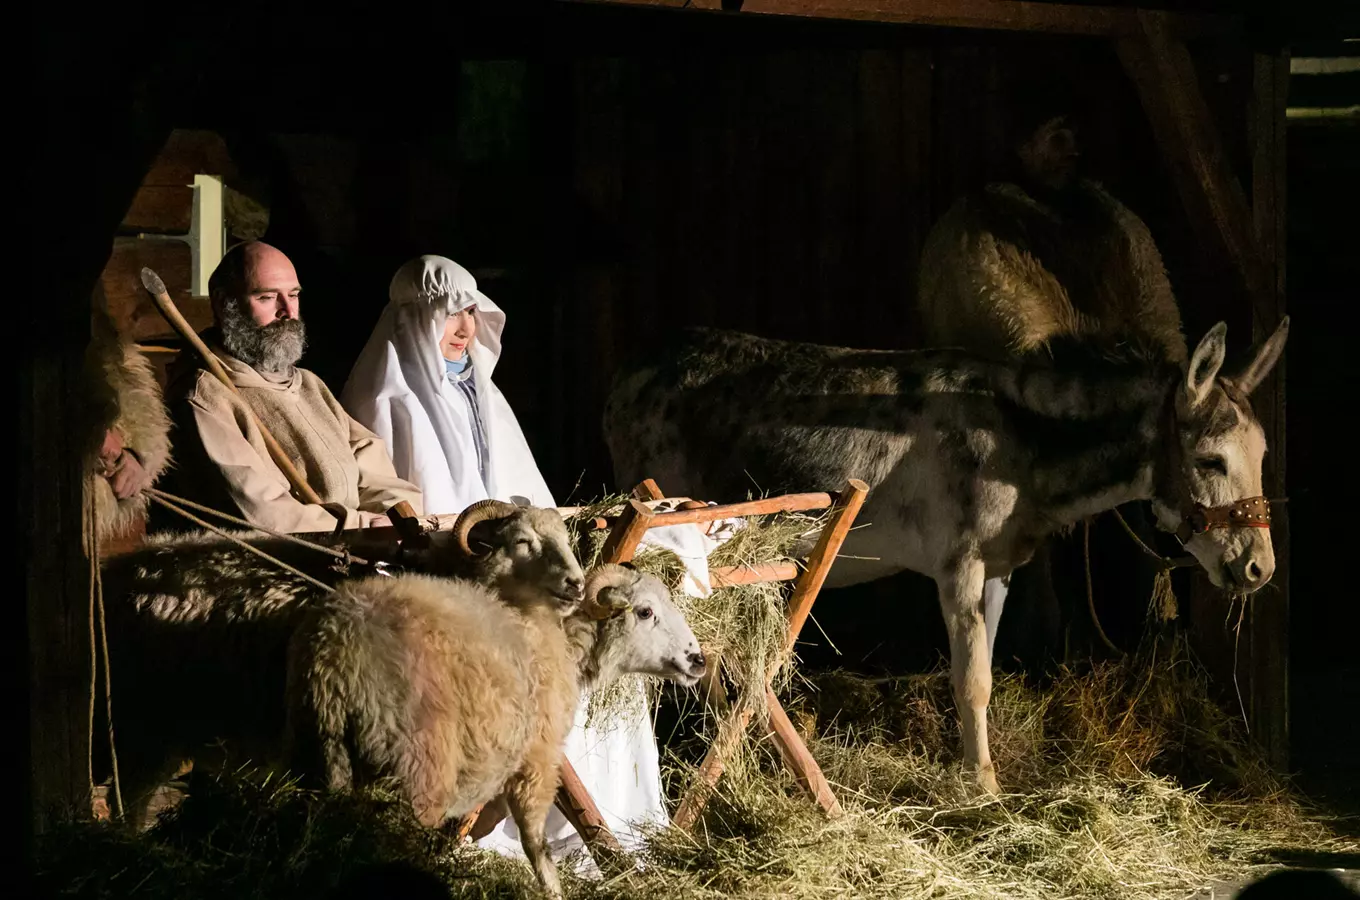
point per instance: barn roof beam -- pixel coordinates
(1002, 15)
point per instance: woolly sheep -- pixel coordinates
(457, 696)
(198, 631)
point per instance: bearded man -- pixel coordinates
(259, 338)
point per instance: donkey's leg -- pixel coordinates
(970, 664)
(993, 599)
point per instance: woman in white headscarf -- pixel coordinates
(423, 384)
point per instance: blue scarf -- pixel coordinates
(457, 368)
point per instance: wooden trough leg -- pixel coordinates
(799, 759)
(729, 736)
(576, 804)
(468, 822)
(791, 747)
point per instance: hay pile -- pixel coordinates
(1124, 780)
(1101, 769)
(1105, 772)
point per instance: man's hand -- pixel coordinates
(128, 478)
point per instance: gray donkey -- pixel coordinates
(972, 463)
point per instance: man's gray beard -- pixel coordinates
(273, 349)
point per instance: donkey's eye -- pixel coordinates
(644, 613)
(1212, 465)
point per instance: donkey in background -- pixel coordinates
(972, 462)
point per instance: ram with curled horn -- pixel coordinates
(474, 515)
(605, 598)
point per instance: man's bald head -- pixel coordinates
(260, 278)
(255, 299)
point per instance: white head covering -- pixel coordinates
(398, 389)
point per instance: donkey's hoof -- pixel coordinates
(986, 781)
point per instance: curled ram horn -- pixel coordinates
(481, 511)
(605, 596)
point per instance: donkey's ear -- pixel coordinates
(1205, 363)
(1266, 355)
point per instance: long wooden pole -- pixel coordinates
(156, 288)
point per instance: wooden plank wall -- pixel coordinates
(788, 193)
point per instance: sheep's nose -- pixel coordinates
(696, 659)
(575, 585)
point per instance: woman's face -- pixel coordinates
(459, 330)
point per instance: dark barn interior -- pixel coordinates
(610, 172)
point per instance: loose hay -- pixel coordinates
(1103, 768)
(1124, 780)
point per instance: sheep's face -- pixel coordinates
(528, 559)
(642, 629)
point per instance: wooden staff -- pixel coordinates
(156, 288)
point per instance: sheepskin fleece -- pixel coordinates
(123, 395)
(1003, 272)
(433, 681)
(198, 636)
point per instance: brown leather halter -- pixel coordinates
(1252, 512)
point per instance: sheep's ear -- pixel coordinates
(629, 566)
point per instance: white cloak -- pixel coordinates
(398, 390)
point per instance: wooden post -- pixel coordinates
(623, 540)
(1164, 74)
(580, 809)
(1267, 659)
(1252, 237)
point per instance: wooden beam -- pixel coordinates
(1267, 660)
(991, 15)
(580, 810)
(160, 209)
(134, 312)
(1164, 74)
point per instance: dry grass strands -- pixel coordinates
(744, 625)
(1100, 765)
